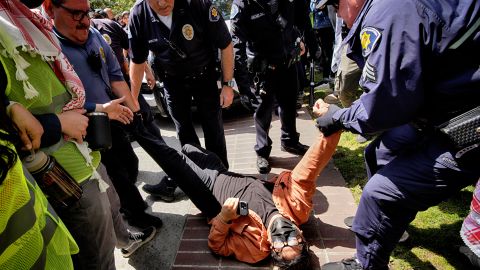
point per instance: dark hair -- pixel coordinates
(8, 157)
(301, 262)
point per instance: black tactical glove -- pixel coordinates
(326, 124)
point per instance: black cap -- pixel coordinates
(322, 3)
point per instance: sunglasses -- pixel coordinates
(291, 242)
(78, 15)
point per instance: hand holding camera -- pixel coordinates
(232, 209)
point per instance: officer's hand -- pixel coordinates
(226, 96)
(28, 127)
(229, 210)
(117, 111)
(74, 124)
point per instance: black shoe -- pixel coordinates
(144, 220)
(345, 264)
(136, 240)
(296, 149)
(263, 166)
(165, 190)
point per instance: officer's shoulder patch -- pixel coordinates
(369, 73)
(107, 39)
(233, 11)
(213, 14)
(369, 37)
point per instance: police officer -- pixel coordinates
(418, 63)
(184, 36)
(268, 27)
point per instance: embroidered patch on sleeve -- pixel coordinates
(369, 38)
(369, 73)
(213, 14)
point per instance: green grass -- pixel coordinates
(434, 234)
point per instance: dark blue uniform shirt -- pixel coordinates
(114, 35)
(252, 21)
(197, 31)
(411, 72)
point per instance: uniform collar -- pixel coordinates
(354, 49)
(65, 40)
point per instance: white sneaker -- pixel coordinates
(137, 239)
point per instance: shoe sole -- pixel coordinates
(141, 244)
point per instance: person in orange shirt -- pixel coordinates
(276, 207)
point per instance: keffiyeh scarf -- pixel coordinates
(28, 31)
(470, 231)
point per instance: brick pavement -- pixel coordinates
(329, 238)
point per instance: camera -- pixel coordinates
(242, 208)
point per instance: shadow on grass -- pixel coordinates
(443, 241)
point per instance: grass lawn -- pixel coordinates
(434, 234)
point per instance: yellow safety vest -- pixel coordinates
(32, 236)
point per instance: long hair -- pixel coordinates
(8, 134)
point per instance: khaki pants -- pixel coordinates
(346, 80)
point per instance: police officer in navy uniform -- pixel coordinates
(268, 27)
(420, 69)
(184, 36)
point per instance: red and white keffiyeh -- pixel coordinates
(27, 30)
(470, 231)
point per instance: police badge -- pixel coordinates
(187, 31)
(107, 39)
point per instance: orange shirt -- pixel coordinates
(246, 237)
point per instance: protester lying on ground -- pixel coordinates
(470, 231)
(276, 208)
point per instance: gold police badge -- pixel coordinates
(107, 39)
(187, 31)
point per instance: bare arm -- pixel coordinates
(226, 96)
(120, 89)
(136, 76)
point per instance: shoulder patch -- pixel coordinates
(369, 37)
(213, 14)
(369, 73)
(233, 11)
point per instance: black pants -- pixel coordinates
(121, 163)
(204, 90)
(280, 84)
(326, 39)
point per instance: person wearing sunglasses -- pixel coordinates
(184, 37)
(419, 75)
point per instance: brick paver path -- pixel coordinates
(329, 238)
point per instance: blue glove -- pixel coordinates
(326, 124)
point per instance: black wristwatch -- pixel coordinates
(230, 83)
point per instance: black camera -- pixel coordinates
(242, 208)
